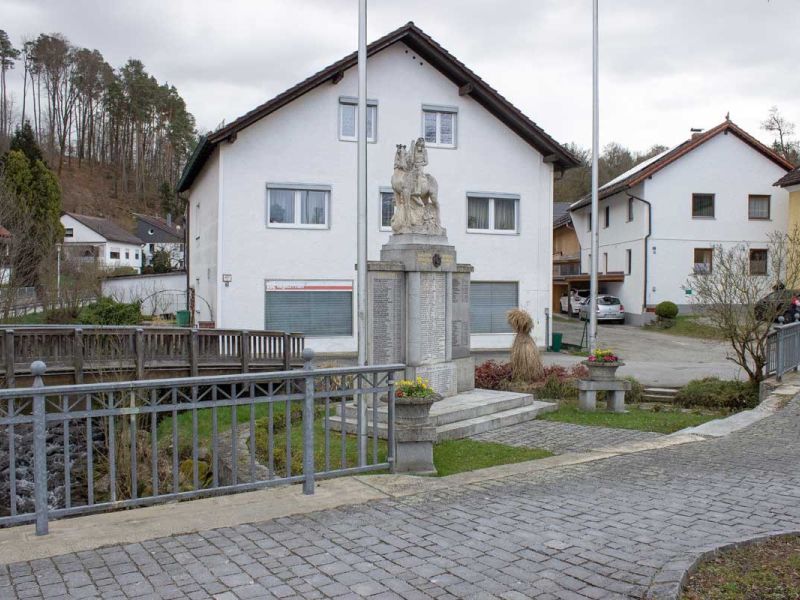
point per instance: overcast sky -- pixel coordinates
(666, 65)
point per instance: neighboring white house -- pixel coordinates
(160, 235)
(272, 195)
(659, 221)
(159, 293)
(101, 240)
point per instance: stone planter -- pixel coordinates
(602, 371)
(414, 435)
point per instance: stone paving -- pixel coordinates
(564, 437)
(605, 529)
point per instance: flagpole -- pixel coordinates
(362, 220)
(594, 258)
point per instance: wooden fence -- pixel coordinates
(75, 353)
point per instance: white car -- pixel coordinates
(578, 298)
(609, 308)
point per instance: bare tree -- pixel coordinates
(783, 130)
(8, 56)
(727, 292)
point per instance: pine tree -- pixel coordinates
(25, 141)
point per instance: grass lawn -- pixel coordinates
(667, 420)
(691, 326)
(768, 570)
(29, 319)
(450, 457)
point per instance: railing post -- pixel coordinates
(308, 424)
(244, 341)
(287, 352)
(77, 355)
(194, 352)
(11, 378)
(139, 344)
(38, 369)
(390, 449)
(779, 349)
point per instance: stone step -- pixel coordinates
(467, 427)
(656, 394)
(464, 406)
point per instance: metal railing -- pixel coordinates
(783, 348)
(89, 348)
(77, 449)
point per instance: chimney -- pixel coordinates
(695, 131)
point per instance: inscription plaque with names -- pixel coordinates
(433, 312)
(461, 323)
(386, 317)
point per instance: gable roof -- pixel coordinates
(561, 214)
(169, 231)
(791, 178)
(427, 49)
(107, 228)
(653, 165)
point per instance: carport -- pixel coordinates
(581, 282)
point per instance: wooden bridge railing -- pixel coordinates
(82, 349)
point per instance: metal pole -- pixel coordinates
(594, 259)
(58, 273)
(362, 217)
(38, 369)
(308, 425)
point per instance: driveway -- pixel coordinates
(656, 359)
(620, 527)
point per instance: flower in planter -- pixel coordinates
(603, 355)
(418, 388)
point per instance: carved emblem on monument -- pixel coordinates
(416, 204)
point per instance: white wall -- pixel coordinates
(724, 166)
(160, 294)
(299, 144)
(203, 233)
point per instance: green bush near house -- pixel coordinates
(107, 311)
(713, 392)
(666, 310)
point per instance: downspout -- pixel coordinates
(646, 239)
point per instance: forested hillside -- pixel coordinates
(116, 137)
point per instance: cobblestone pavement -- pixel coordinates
(604, 529)
(564, 437)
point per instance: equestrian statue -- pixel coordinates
(416, 205)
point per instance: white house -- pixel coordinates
(160, 235)
(101, 240)
(660, 221)
(272, 195)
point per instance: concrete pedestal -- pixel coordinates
(415, 434)
(615, 392)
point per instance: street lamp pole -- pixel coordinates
(362, 218)
(594, 258)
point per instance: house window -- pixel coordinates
(628, 261)
(127, 254)
(439, 126)
(321, 308)
(589, 224)
(114, 253)
(630, 209)
(488, 304)
(605, 262)
(496, 213)
(69, 232)
(607, 216)
(702, 206)
(703, 260)
(758, 262)
(297, 206)
(758, 207)
(136, 255)
(387, 208)
(348, 119)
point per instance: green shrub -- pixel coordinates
(712, 392)
(666, 310)
(122, 271)
(60, 316)
(108, 311)
(636, 393)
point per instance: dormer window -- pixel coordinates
(348, 119)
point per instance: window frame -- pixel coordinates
(710, 263)
(381, 192)
(606, 216)
(768, 198)
(628, 261)
(750, 262)
(605, 262)
(491, 197)
(439, 110)
(297, 188)
(69, 232)
(630, 210)
(112, 250)
(504, 322)
(353, 101)
(713, 205)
